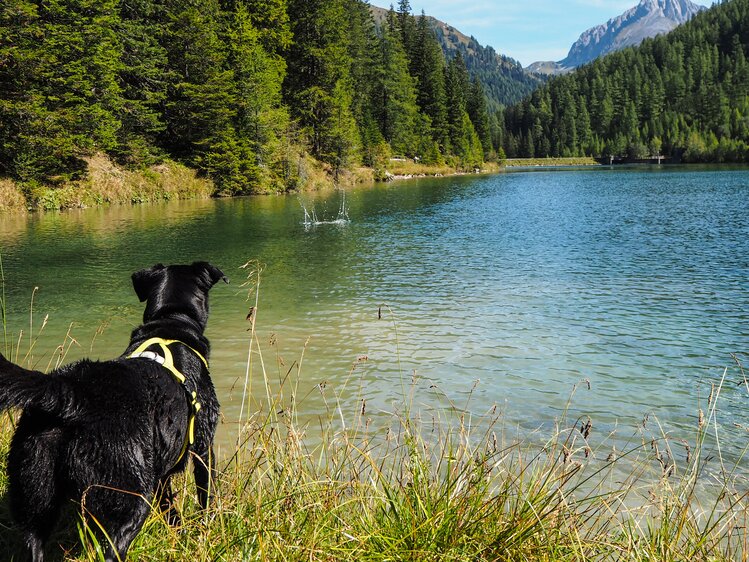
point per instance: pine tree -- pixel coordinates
(61, 100)
(476, 108)
(201, 106)
(20, 104)
(143, 80)
(318, 85)
(428, 63)
(407, 26)
(396, 94)
(366, 74)
(257, 36)
(464, 141)
(271, 20)
(340, 129)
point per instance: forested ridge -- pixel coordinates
(504, 80)
(251, 93)
(685, 95)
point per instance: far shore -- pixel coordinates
(550, 162)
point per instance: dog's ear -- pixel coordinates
(214, 273)
(145, 280)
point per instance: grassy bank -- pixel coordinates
(416, 489)
(417, 484)
(405, 169)
(107, 183)
(550, 162)
(12, 198)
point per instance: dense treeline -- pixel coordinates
(685, 95)
(242, 90)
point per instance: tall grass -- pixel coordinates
(449, 488)
(107, 183)
(447, 485)
(11, 197)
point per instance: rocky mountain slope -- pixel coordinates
(648, 19)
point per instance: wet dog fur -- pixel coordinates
(110, 434)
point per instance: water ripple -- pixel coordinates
(636, 280)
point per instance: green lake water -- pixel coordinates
(635, 280)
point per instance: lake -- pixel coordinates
(511, 289)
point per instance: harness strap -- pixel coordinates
(167, 361)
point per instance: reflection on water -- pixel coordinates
(636, 280)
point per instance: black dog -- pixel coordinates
(110, 434)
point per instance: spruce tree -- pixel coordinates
(429, 70)
(477, 111)
(271, 20)
(464, 141)
(366, 73)
(318, 85)
(143, 78)
(61, 100)
(261, 119)
(407, 26)
(396, 94)
(201, 105)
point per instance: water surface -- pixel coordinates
(635, 280)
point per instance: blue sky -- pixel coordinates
(528, 31)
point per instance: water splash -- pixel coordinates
(311, 219)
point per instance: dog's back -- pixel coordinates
(110, 434)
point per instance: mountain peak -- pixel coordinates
(648, 19)
(679, 11)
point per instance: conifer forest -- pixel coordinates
(243, 90)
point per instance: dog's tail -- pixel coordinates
(21, 388)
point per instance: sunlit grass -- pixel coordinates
(551, 161)
(11, 197)
(107, 183)
(409, 168)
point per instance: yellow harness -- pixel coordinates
(167, 361)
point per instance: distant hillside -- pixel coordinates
(648, 19)
(683, 95)
(504, 80)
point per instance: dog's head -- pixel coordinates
(177, 289)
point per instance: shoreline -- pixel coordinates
(108, 184)
(574, 161)
(423, 171)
